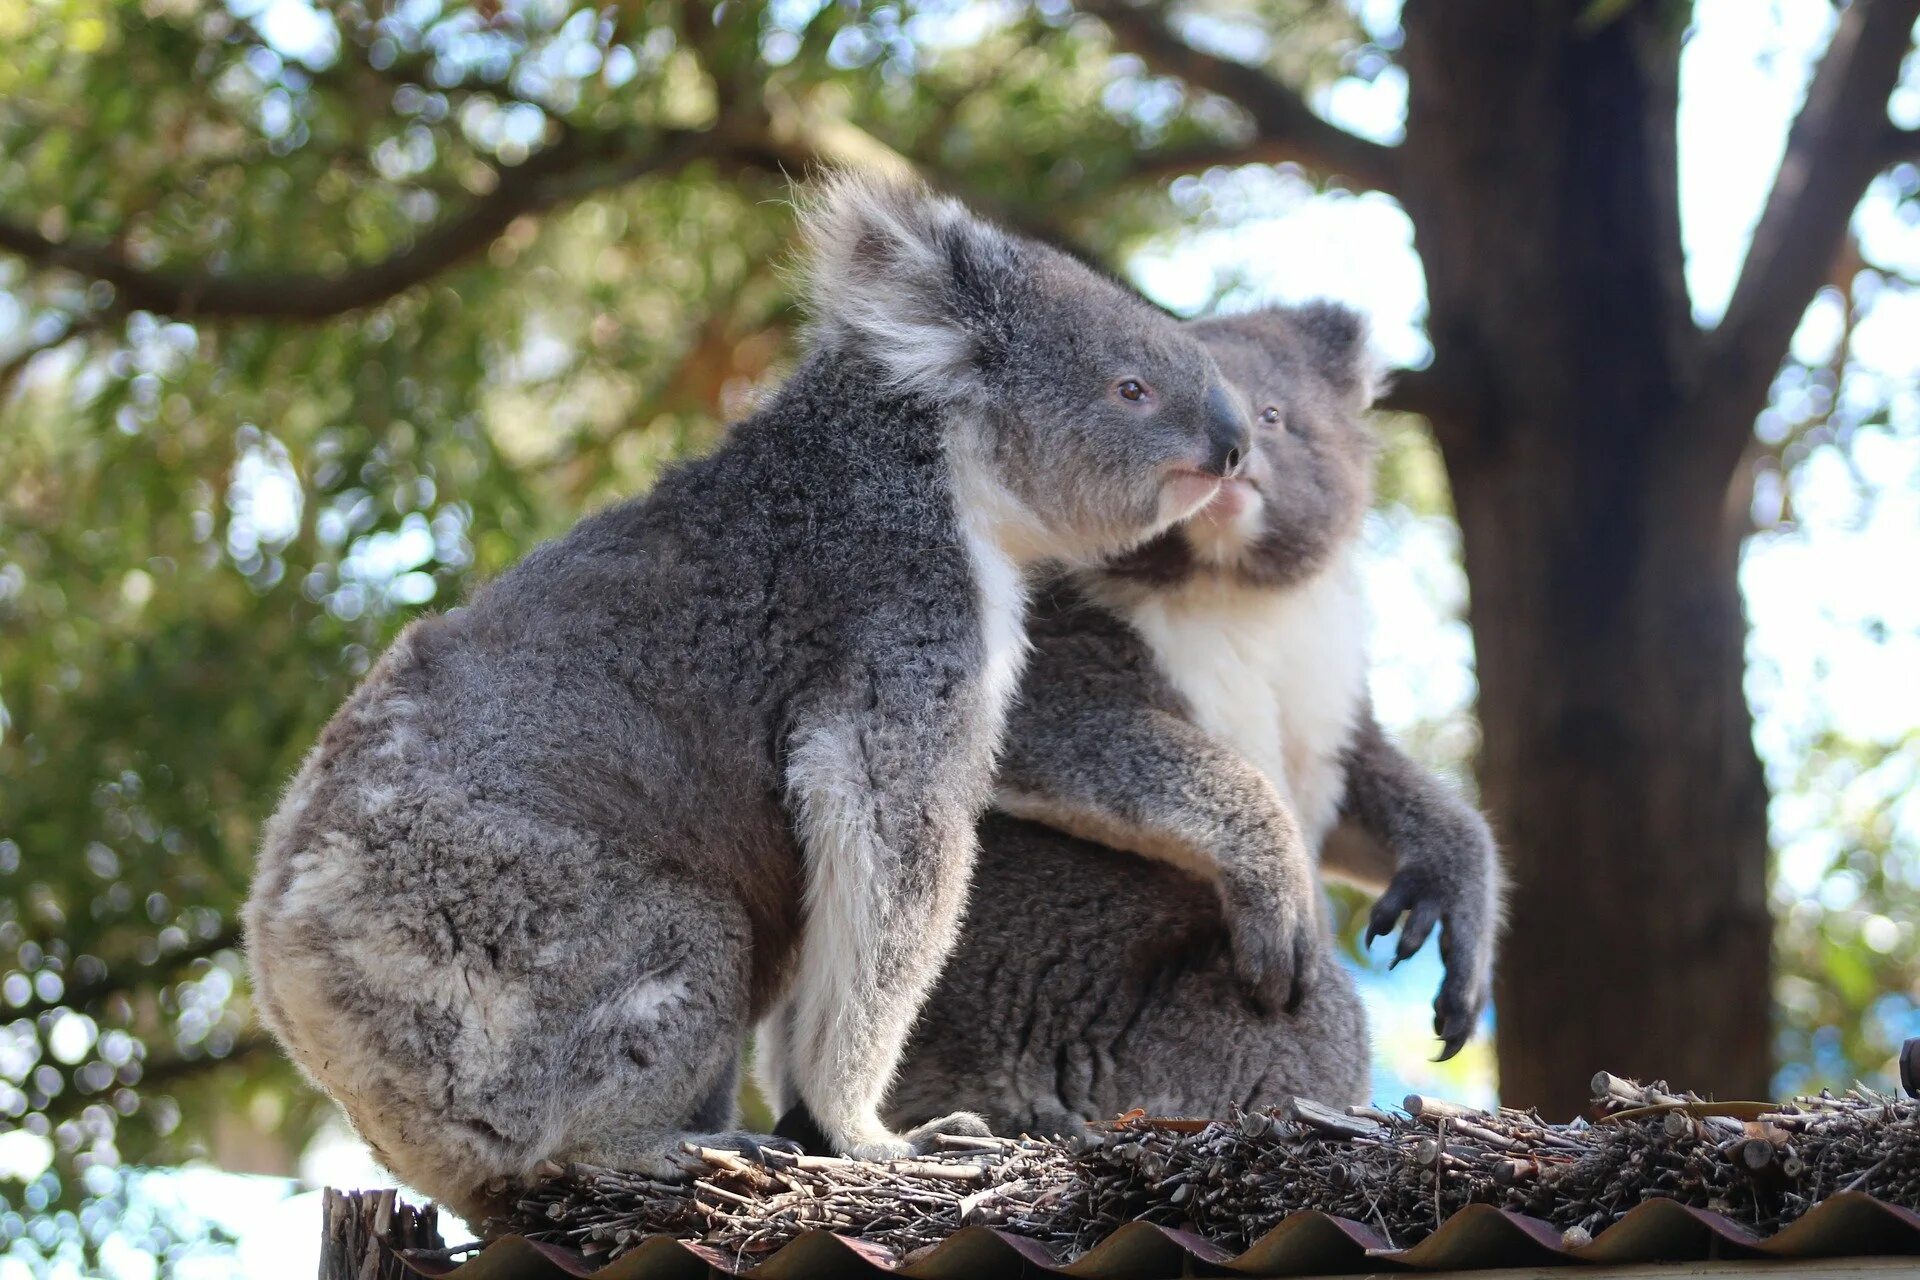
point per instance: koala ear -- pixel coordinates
(1337, 343)
(910, 279)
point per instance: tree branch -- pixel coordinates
(164, 1072)
(1418, 391)
(1834, 150)
(172, 1069)
(1447, 395)
(15, 365)
(82, 996)
(313, 296)
(1284, 127)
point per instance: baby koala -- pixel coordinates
(1202, 702)
(722, 748)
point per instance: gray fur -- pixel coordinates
(1100, 746)
(1445, 871)
(1088, 982)
(721, 749)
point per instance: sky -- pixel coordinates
(1830, 646)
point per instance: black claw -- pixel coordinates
(1453, 1022)
(765, 1150)
(1387, 911)
(1418, 928)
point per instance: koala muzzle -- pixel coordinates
(1229, 434)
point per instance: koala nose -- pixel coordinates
(1229, 434)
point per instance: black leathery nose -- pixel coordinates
(1229, 433)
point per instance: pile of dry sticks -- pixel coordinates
(1231, 1181)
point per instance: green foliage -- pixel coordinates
(1850, 981)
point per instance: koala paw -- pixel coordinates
(957, 1124)
(1457, 1009)
(1466, 943)
(919, 1141)
(761, 1148)
(891, 1147)
(1275, 951)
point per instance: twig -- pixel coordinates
(1232, 1180)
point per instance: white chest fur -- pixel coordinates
(999, 532)
(1278, 675)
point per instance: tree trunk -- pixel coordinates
(1601, 532)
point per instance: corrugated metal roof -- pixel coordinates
(1849, 1224)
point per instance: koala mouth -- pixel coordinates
(1228, 525)
(1236, 498)
(1185, 492)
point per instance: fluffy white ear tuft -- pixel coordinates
(906, 277)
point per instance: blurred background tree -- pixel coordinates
(312, 316)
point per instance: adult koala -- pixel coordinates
(723, 747)
(1202, 702)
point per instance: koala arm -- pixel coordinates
(1399, 819)
(1143, 780)
(885, 818)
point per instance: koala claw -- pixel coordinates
(761, 1148)
(1415, 894)
(1274, 960)
(770, 1149)
(1457, 1008)
(1453, 1023)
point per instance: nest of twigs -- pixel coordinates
(1231, 1181)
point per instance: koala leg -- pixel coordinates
(1147, 782)
(466, 1058)
(1446, 872)
(656, 1066)
(888, 852)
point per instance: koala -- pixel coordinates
(1246, 626)
(720, 750)
(1201, 703)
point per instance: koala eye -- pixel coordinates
(1270, 416)
(1132, 390)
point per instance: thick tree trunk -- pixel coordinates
(1601, 532)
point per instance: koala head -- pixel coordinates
(1309, 375)
(1081, 418)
